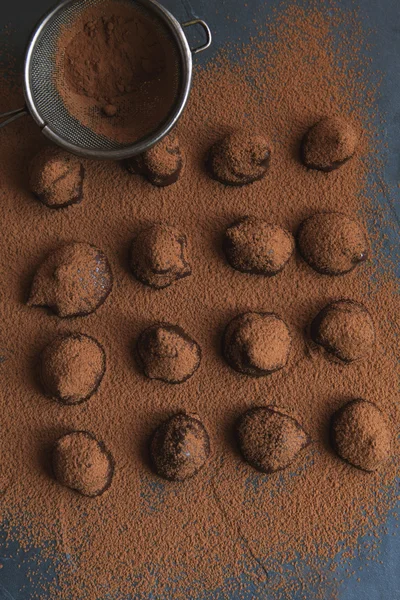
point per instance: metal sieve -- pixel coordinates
(46, 107)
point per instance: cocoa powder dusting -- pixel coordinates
(228, 527)
(117, 70)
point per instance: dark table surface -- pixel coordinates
(377, 581)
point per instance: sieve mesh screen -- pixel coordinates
(44, 75)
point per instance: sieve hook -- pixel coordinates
(12, 116)
(207, 30)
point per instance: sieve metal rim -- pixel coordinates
(147, 142)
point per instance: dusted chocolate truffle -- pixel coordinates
(239, 158)
(179, 447)
(72, 281)
(332, 243)
(269, 440)
(56, 177)
(329, 144)
(167, 353)
(82, 463)
(255, 246)
(159, 256)
(162, 164)
(344, 329)
(72, 367)
(256, 344)
(360, 435)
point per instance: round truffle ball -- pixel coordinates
(269, 440)
(329, 144)
(360, 435)
(56, 178)
(239, 158)
(82, 463)
(332, 243)
(167, 353)
(159, 256)
(179, 447)
(256, 344)
(162, 165)
(345, 330)
(72, 367)
(255, 246)
(72, 281)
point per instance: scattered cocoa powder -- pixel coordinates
(361, 436)
(229, 531)
(159, 256)
(72, 367)
(332, 243)
(270, 440)
(162, 165)
(345, 330)
(56, 178)
(179, 447)
(329, 144)
(239, 158)
(117, 70)
(82, 463)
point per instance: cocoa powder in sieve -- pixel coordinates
(117, 70)
(229, 528)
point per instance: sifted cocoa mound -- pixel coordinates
(329, 144)
(72, 367)
(239, 158)
(167, 353)
(82, 463)
(256, 344)
(179, 447)
(159, 256)
(270, 440)
(56, 178)
(72, 281)
(360, 435)
(345, 330)
(255, 246)
(332, 243)
(162, 165)
(117, 70)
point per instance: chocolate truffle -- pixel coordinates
(239, 158)
(255, 246)
(72, 367)
(332, 243)
(72, 281)
(56, 178)
(82, 463)
(345, 330)
(360, 435)
(159, 256)
(167, 353)
(270, 440)
(329, 144)
(179, 447)
(256, 344)
(162, 165)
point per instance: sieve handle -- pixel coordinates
(12, 116)
(207, 30)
